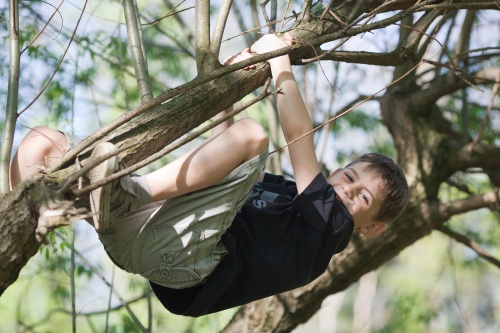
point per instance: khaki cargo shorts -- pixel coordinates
(176, 243)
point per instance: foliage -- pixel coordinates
(410, 313)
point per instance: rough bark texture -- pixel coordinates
(19, 219)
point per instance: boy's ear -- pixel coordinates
(373, 228)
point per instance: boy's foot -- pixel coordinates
(100, 199)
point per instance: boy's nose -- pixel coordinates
(348, 192)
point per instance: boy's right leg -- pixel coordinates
(100, 198)
(200, 168)
(209, 163)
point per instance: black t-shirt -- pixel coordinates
(278, 241)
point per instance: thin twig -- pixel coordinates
(348, 110)
(170, 13)
(327, 8)
(47, 24)
(117, 294)
(471, 244)
(283, 18)
(72, 279)
(487, 116)
(59, 63)
(269, 23)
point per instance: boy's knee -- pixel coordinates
(43, 136)
(254, 135)
(41, 141)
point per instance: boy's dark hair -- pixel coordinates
(396, 190)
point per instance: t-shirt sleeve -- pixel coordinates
(320, 208)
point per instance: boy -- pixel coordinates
(205, 248)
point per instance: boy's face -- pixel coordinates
(360, 190)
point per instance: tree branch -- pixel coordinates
(216, 41)
(160, 99)
(202, 33)
(12, 97)
(470, 244)
(173, 146)
(60, 60)
(473, 202)
(117, 294)
(478, 155)
(451, 83)
(137, 52)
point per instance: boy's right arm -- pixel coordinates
(292, 112)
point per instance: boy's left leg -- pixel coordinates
(37, 151)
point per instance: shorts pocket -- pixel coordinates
(170, 256)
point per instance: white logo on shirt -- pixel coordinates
(260, 198)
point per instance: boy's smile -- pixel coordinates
(361, 191)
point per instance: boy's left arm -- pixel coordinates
(292, 112)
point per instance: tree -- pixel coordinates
(436, 145)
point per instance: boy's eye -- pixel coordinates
(349, 178)
(365, 198)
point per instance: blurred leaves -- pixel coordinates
(410, 313)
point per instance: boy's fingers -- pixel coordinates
(235, 58)
(288, 38)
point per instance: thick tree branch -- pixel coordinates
(195, 89)
(451, 83)
(472, 202)
(332, 32)
(417, 32)
(479, 155)
(462, 4)
(462, 46)
(173, 146)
